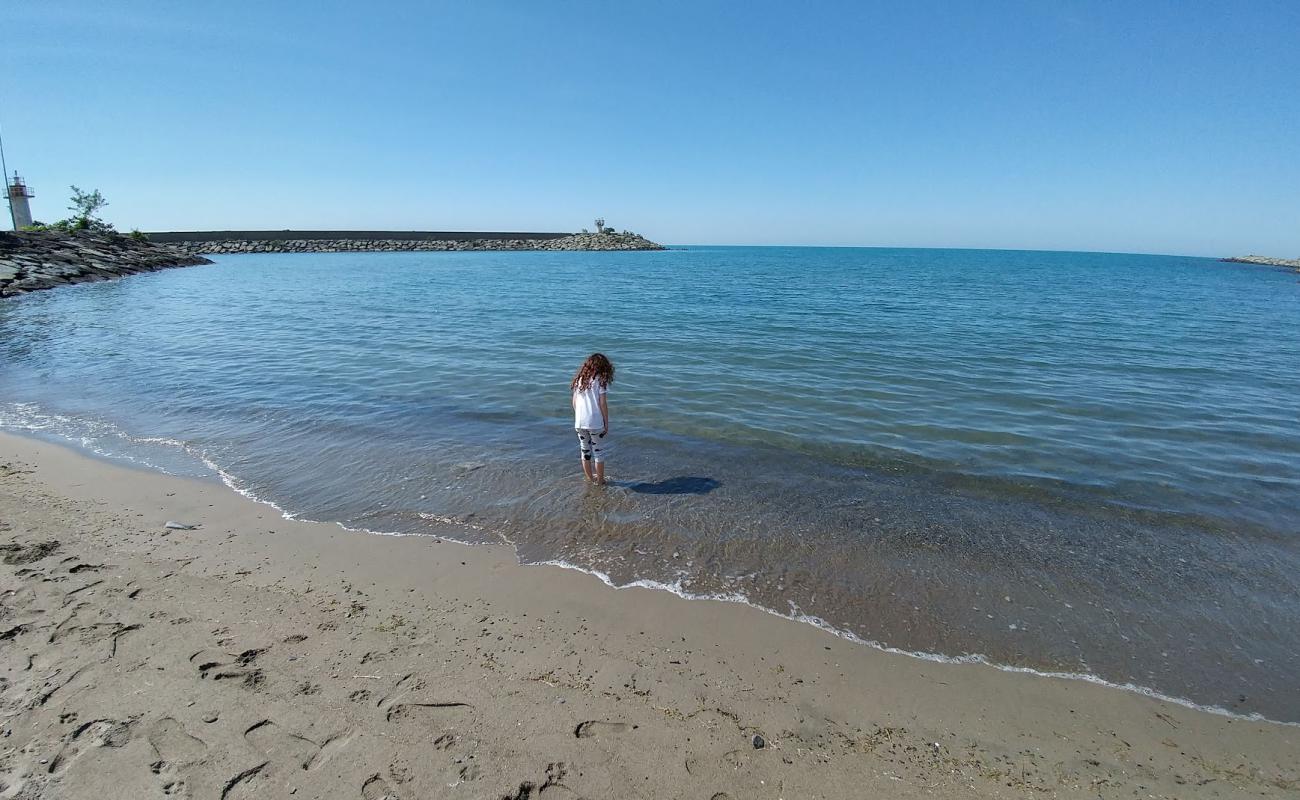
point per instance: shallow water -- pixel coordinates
(1071, 462)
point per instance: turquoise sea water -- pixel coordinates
(1063, 461)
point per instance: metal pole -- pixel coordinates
(13, 221)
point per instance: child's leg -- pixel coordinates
(584, 445)
(598, 454)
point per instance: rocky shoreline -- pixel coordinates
(35, 260)
(573, 242)
(1293, 263)
(30, 261)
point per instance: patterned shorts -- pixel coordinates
(593, 444)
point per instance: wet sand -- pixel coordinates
(260, 657)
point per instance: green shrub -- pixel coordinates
(85, 213)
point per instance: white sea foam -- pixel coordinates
(91, 435)
(27, 417)
(796, 615)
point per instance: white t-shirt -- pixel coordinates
(586, 406)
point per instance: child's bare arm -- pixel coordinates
(604, 412)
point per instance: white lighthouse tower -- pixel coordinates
(18, 206)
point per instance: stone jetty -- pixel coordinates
(1293, 263)
(42, 260)
(209, 243)
(32, 260)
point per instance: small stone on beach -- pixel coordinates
(179, 526)
(759, 742)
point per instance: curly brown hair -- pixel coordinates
(596, 368)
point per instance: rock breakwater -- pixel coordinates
(30, 261)
(1293, 263)
(343, 244)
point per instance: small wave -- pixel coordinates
(91, 435)
(796, 615)
(443, 520)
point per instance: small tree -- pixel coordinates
(85, 211)
(600, 224)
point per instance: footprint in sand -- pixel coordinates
(220, 665)
(424, 711)
(27, 553)
(14, 632)
(173, 744)
(432, 711)
(172, 784)
(593, 728)
(401, 771)
(329, 747)
(175, 749)
(550, 786)
(97, 733)
(376, 788)
(287, 748)
(251, 783)
(103, 634)
(281, 746)
(80, 568)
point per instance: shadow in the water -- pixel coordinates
(682, 484)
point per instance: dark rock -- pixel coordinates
(759, 742)
(582, 241)
(35, 260)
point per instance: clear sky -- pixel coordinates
(1128, 126)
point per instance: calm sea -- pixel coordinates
(1067, 462)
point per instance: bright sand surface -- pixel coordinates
(261, 657)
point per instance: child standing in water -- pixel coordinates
(591, 413)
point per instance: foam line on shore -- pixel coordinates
(40, 422)
(29, 418)
(970, 658)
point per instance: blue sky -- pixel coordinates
(1148, 127)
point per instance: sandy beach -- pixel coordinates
(256, 656)
(933, 448)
